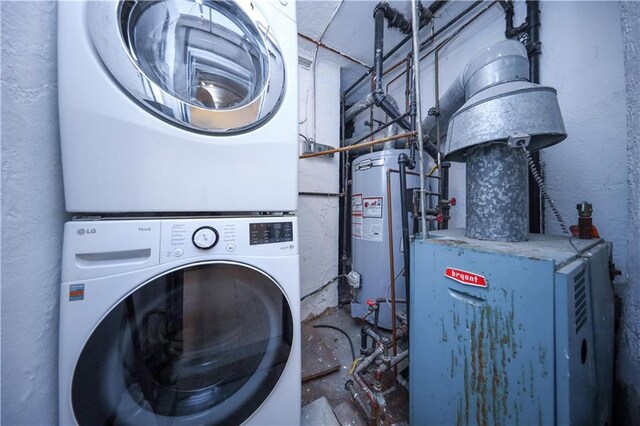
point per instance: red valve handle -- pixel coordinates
(439, 218)
(452, 202)
(371, 303)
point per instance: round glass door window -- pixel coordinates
(208, 65)
(204, 344)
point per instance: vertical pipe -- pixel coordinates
(536, 203)
(378, 46)
(344, 200)
(392, 271)
(403, 160)
(415, 11)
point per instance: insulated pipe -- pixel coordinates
(354, 142)
(392, 130)
(358, 107)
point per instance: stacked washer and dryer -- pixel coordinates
(180, 276)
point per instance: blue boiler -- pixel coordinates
(508, 333)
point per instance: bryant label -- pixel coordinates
(464, 277)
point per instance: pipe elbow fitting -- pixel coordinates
(378, 97)
(383, 6)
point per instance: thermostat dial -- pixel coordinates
(205, 237)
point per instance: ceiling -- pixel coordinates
(347, 26)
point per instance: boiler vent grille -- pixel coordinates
(580, 293)
(304, 62)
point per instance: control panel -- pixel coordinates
(270, 232)
(191, 238)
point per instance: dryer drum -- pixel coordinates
(211, 66)
(204, 344)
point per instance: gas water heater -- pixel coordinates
(374, 176)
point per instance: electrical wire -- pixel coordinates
(386, 293)
(353, 352)
(545, 194)
(323, 286)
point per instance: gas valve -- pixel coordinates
(452, 202)
(439, 218)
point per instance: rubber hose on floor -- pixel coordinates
(353, 352)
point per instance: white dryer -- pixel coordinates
(180, 321)
(178, 105)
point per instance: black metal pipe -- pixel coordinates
(378, 45)
(433, 8)
(533, 20)
(508, 17)
(445, 207)
(378, 94)
(344, 205)
(403, 163)
(536, 206)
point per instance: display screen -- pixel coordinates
(268, 233)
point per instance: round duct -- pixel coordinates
(494, 114)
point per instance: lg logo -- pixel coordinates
(82, 231)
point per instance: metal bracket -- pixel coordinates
(518, 140)
(311, 147)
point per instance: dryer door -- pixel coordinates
(207, 65)
(202, 344)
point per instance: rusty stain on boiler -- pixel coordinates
(492, 348)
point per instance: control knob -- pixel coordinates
(205, 237)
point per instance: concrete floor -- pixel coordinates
(332, 386)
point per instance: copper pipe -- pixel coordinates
(394, 66)
(331, 49)
(392, 271)
(360, 145)
(373, 401)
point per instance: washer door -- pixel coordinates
(208, 65)
(203, 344)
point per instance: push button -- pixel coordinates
(178, 252)
(231, 247)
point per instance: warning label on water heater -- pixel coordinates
(372, 207)
(356, 215)
(366, 218)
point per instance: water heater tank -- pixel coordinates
(370, 231)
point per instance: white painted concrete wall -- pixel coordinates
(32, 214)
(318, 215)
(629, 338)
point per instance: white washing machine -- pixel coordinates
(178, 105)
(180, 321)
